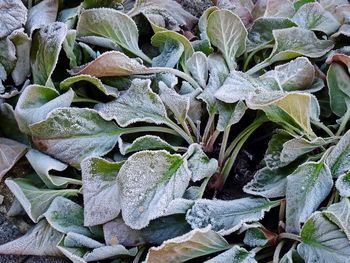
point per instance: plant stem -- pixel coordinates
(276, 255)
(180, 131)
(251, 55)
(148, 129)
(323, 127)
(223, 146)
(207, 128)
(281, 215)
(80, 99)
(289, 236)
(194, 129)
(202, 187)
(258, 67)
(343, 122)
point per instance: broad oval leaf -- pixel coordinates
(100, 190)
(230, 114)
(13, 15)
(198, 67)
(149, 181)
(343, 185)
(10, 152)
(235, 254)
(307, 187)
(198, 242)
(338, 213)
(72, 134)
(227, 32)
(226, 217)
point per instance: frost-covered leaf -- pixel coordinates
(147, 142)
(199, 163)
(274, 150)
(227, 32)
(312, 16)
(91, 135)
(276, 8)
(36, 102)
(268, 183)
(138, 103)
(46, 46)
(73, 239)
(100, 190)
(197, 65)
(10, 152)
(323, 241)
(106, 252)
(339, 213)
(111, 24)
(66, 216)
(41, 14)
(307, 187)
(235, 254)
(298, 74)
(171, 53)
(7, 57)
(177, 104)
(69, 82)
(230, 114)
(338, 82)
(226, 217)
(343, 185)
(259, 237)
(34, 198)
(9, 126)
(240, 8)
(41, 240)
(198, 242)
(167, 14)
(260, 34)
(338, 159)
(13, 15)
(149, 181)
(291, 256)
(43, 164)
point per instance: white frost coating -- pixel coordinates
(35, 201)
(307, 187)
(138, 103)
(39, 241)
(106, 252)
(267, 183)
(72, 134)
(226, 217)
(230, 114)
(100, 190)
(343, 185)
(149, 182)
(10, 152)
(13, 15)
(78, 240)
(197, 65)
(199, 163)
(323, 241)
(177, 104)
(43, 164)
(339, 214)
(234, 255)
(74, 254)
(147, 142)
(198, 242)
(339, 158)
(294, 75)
(36, 102)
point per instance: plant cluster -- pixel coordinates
(131, 116)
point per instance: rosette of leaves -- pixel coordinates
(177, 131)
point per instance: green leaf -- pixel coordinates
(338, 81)
(147, 142)
(226, 217)
(41, 240)
(259, 236)
(227, 32)
(323, 241)
(13, 14)
(343, 185)
(170, 55)
(46, 46)
(307, 187)
(66, 216)
(198, 242)
(268, 183)
(91, 135)
(36, 102)
(78, 240)
(338, 213)
(100, 189)
(338, 159)
(41, 14)
(199, 163)
(43, 164)
(312, 16)
(260, 34)
(69, 82)
(10, 152)
(149, 181)
(235, 254)
(230, 114)
(9, 126)
(111, 24)
(198, 67)
(34, 199)
(291, 256)
(106, 252)
(7, 55)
